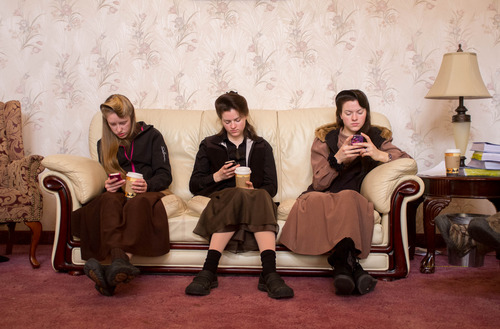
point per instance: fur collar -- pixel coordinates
(323, 130)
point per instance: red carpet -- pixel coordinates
(450, 298)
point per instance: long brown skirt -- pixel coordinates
(138, 226)
(243, 211)
(319, 220)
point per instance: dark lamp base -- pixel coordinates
(462, 161)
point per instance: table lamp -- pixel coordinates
(459, 77)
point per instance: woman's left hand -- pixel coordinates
(139, 186)
(372, 151)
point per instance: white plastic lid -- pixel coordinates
(452, 151)
(243, 171)
(134, 174)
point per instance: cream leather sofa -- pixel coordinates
(75, 180)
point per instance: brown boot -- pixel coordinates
(95, 271)
(120, 270)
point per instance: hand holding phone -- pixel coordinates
(232, 162)
(115, 176)
(357, 139)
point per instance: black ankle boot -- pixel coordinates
(364, 281)
(343, 260)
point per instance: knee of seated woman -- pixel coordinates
(113, 196)
(138, 198)
(349, 193)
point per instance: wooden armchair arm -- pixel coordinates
(22, 174)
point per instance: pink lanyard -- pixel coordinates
(131, 153)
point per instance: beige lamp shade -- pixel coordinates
(459, 76)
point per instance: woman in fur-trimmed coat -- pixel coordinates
(332, 215)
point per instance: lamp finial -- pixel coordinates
(460, 48)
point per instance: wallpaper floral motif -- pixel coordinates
(62, 58)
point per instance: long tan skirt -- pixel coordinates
(243, 211)
(138, 226)
(319, 220)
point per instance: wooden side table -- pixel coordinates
(439, 190)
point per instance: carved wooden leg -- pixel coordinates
(36, 232)
(10, 239)
(432, 207)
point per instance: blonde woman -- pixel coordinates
(112, 225)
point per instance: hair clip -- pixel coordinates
(232, 92)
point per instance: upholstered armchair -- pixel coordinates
(20, 197)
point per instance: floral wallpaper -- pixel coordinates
(62, 58)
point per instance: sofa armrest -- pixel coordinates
(86, 176)
(380, 183)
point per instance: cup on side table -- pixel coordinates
(452, 161)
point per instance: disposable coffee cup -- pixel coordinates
(131, 176)
(242, 176)
(452, 161)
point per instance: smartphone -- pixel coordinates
(357, 139)
(116, 176)
(230, 161)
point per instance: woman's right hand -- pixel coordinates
(348, 152)
(113, 185)
(225, 172)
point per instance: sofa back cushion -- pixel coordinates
(290, 133)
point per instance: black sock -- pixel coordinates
(268, 258)
(212, 261)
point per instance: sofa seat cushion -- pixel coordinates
(174, 205)
(181, 230)
(197, 204)
(284, 209)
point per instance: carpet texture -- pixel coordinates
(450, 298)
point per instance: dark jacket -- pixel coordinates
(211, 157)
(148, 155)
(351, 176)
